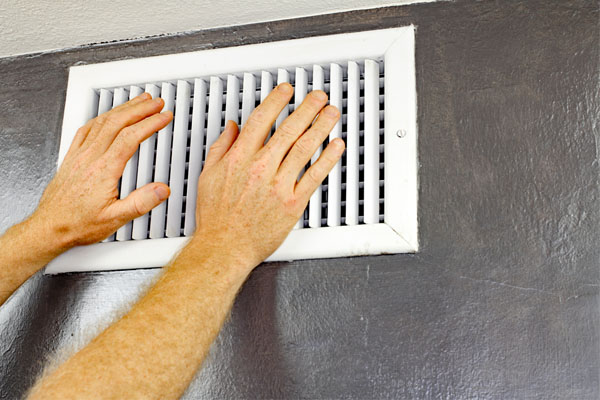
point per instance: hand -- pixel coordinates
(81, 205)
(249, 197)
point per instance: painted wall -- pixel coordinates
(502, 301)
(34, 26)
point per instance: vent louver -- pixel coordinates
(367, 205)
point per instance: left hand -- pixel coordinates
(81, 205)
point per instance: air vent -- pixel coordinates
(368, 203)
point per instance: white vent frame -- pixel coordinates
(399, 231)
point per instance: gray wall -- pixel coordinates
(503, 300)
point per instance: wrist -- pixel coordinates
(48, 240)
(214, 252)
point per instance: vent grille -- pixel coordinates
(367, 204)
(353, 192)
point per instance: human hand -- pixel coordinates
(248, 195)
(81, 205)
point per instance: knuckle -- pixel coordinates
(77, 163)
(96, 167)
(276, 191)
(215, 147)
(233, 156)
(280, 188)
(331, 159)
(315, 173)
(258, 116)
(290, 203)
(287, 132)
(138, 206)
(304, 147)
(81, 131)
(112, 120)
(277, 184)
(258, 168)
(127, 134)
(101, 119)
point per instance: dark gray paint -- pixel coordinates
(503, 300)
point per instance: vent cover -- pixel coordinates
(368, 203)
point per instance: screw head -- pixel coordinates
(400, 133)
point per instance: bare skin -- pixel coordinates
(84, 193)
(155, 349)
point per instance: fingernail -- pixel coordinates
(158, 100)
(145, 95)
(339, 144)
(319, 94)
(331, 111)
(161, 192)
(285, 88)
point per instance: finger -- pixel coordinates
(129, 139)
(80, 136)
(295, 125)
(259, 123)
(317, 172)
(140, 201)
(307, 144)
(108, 125)
(134, 101)
(82, 132)
(220, 147)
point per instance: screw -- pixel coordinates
(400, 133)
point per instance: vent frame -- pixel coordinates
(398, 233)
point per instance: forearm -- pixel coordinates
(24, 249)
(154, 350)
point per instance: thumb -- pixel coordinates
(141, 200)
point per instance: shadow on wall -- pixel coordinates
(254, 339)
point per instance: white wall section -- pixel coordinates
(38, 26)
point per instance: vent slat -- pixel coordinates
(371, 134)
(336, 78)
(352, 144)
(196, 144)
(314, 205)
(129, 177)
(215, 105)
(266, 84)
(120, 96)
(232, 101)
(177, 173)
(249, 96)
(282, 76)
(163, 158)
(144, 171)
(300, 92)
(105, 103)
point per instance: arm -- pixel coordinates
(154, 350)
(84, 193)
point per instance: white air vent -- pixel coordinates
(367, 205)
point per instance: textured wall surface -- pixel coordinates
(34, 26)
(503, 300)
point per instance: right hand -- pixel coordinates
(249, 197)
